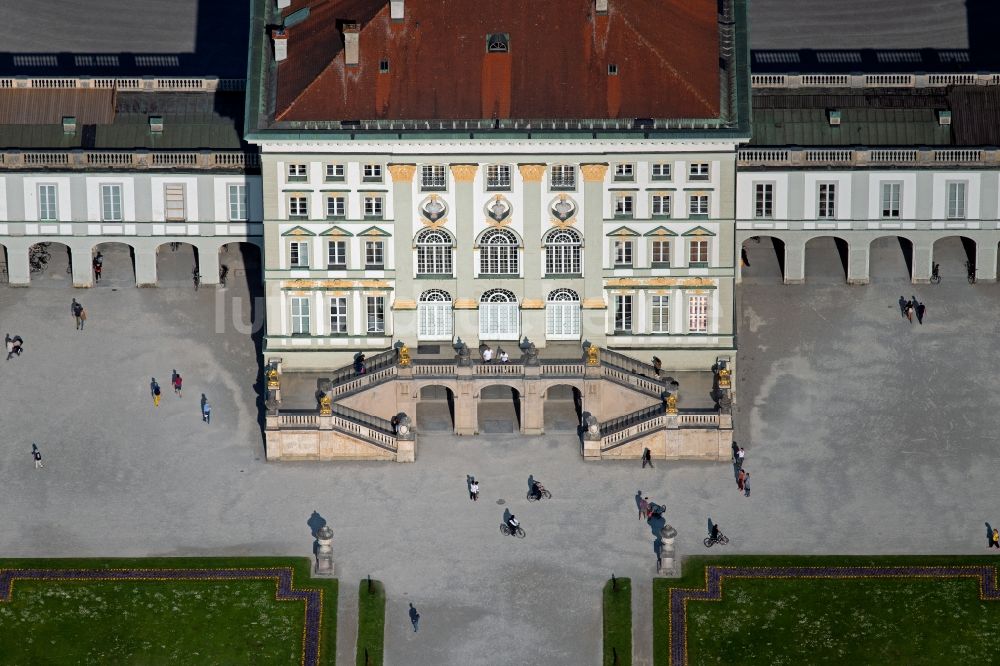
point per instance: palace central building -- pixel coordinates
(560, 171)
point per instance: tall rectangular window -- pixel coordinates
(956, 201)
(336, 255)
(623, 313)
(297, 173)
(562, 177)
(890, 199)
(300, 315)
(498, 177)
(698, 205)
(763, 202)
(659, 308)
(336, 206)
(371, 173)
(237, 203)
(433, 177)
(661, 253)
(698, 171)
(374, 254)
(698, 314)
(298, 254)
(47, 210)
(298, 207)
(173, 202)
(660, 171)
(338, 315)
(661, 205)
(335, 173)
(827, 201)
(376, 314)
(624, 205)
(622, 251)
(111, 203)
(373, 206)
(698, 253)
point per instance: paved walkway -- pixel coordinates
(864, 433)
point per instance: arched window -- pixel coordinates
(562, 315)
(434, 252)
(499, 318)
(434, 316)
(562, 252)
(498, 253)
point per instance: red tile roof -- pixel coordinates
(666, 51)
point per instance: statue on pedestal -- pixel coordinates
(593, 355)
(671, 403)
(325, 405)
(324, 551)
(404, 356)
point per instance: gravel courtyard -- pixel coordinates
(864, 433)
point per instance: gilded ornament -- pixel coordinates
(464, 173)
(725, 380)
(402, 172)
(272, 378)
(404, 357)
(593, 356)
(325, 405)
(671, 403)
(531, 172)
(593, 172)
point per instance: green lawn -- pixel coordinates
(859, 620)
(618, 623)
(371, 623)
(160, 621)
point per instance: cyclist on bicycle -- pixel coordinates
(715, 532)
(513, 524)
(536, 490)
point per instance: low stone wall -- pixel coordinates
(713, 444)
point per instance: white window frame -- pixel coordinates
(763, 201)
(499, 316)
(298, 207)
(957, 202)
(174, 202)
(891, 199)
(499, 258)
(237, 195)
(371, 173)
(699, 252)
(111, 202)
(699, 171)
(563, 252)
(339, 322)
(374, 254)
(622, 252)
(659, 313)
(435, 252)
(299, 307)
(48, 202)
(435, 317)
(660, 171)
(826, 200)
(624, 204)
(375, 310)
(498, 177)
(562, 177)
(562, 315)
(433, 177)
(336, 254)
(698, 205)
(659, 252)
(298, 254)
(336, 206)
(336, 173)
(298, 173)
(625, 171)
(374, 206)
(660, 205)
(623, 313)
(697, 313)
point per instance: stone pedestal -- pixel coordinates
(591, 437)
(324, 553)
(406, 449)
(667, 553)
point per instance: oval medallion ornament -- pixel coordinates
(433, 208)
(498, 209)
(563, 208)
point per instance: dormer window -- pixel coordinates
(383, 66)
(612, 70)
(497, 42)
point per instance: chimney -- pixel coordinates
(396, 10)
(601, 6)
(69, 125)
(156, 124)
(280, 44)
(351, 46)
(283, 4)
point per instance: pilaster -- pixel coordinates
(986, 260)
(533, 303)
(145, 268)
(465, 238)
(922, 257)
(593, 234)
(83, 269)
(857, 262)
(795, 261)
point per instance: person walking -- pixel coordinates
(746, 485)
(77, 309)
(736, 450)
(206, 410)
(178, 384)
(644, 508)
(740, 455)
(909, 311)
(474, 490)
(647, 458)
(995, 538)
(156, 395)
(36, 456)
(9, 343)
(414, 618)
(921, 308)
(82, 319)
(740, 478)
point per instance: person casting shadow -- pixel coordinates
(316, 522)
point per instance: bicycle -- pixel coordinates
(722, 540)
(543, 494)
(970, 269)
(505, 530)
(197, 278)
